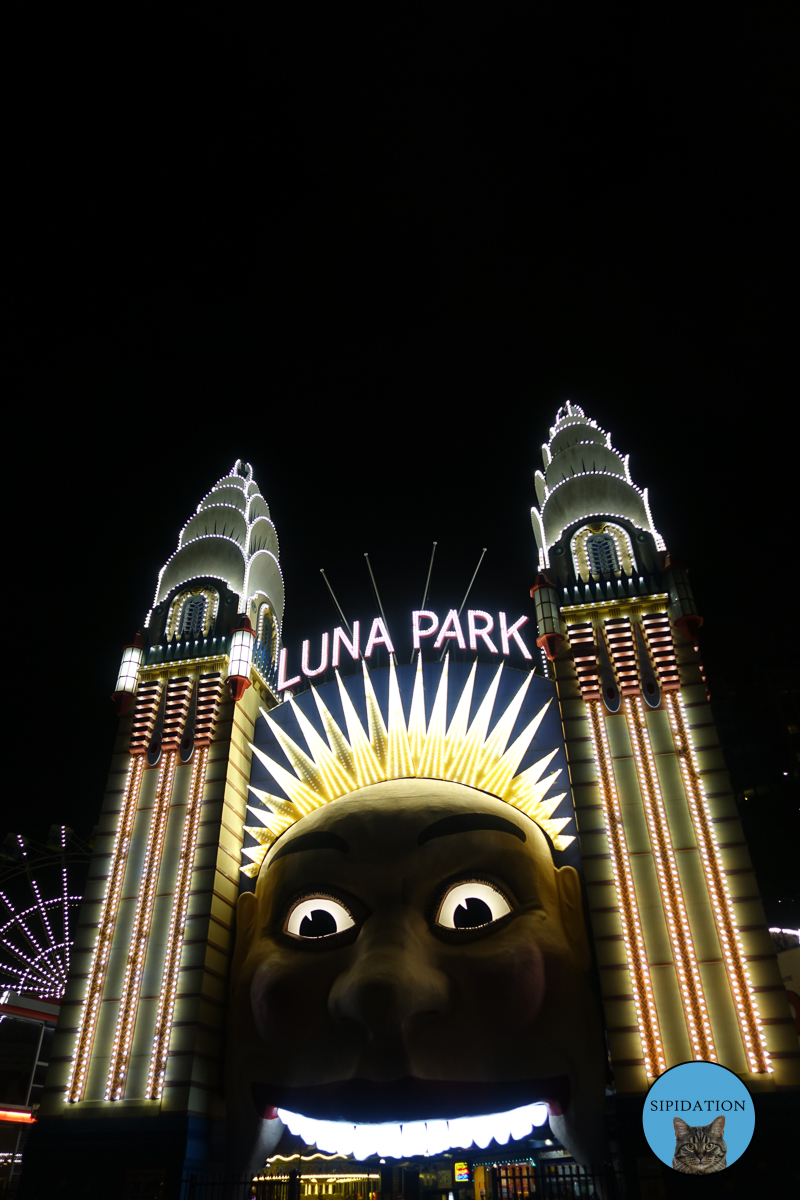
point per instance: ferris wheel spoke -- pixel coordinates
(41, 902)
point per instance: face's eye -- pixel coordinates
(471, 905)
(318, 917)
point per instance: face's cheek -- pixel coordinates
(289, 993)
(501, 982)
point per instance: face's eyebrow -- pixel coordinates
(311, 841)
(466, 823)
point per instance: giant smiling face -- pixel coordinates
(411, 953)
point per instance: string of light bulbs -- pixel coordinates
(108, 916)
(128, 1002)
(641, 985)
(180, 905)
(680, 934)
(744, 999)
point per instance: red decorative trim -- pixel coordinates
(689, 626)
(237, 685)
(549, 642)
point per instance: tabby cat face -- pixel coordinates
(699, 1149)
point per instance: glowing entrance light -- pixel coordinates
(240, 659)
(438, 1136)
(415, 1137)
(365, 1141)
(388, 1140)
(128, 676)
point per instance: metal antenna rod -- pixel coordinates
(427, 585)
(428, 580)
(469, 589)
(377, 597)
(335, 601)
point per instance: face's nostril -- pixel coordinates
(391, 980)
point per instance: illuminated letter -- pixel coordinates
(339, 636)
(283, 682)
(474, 633)
(323, 659)
(450, 629)
(421, 633)
(378, 635)
(505, 634)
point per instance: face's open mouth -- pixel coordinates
(411, 1116)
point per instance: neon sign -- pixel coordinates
(425, 624)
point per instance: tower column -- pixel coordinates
(686, 964)
(138, 1049)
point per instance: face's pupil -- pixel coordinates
(471, 913)
(319, 923)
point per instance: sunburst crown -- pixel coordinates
(464, 752)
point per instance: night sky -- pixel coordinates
(373, 257)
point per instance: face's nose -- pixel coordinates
(392, 978)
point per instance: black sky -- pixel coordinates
(372, 254)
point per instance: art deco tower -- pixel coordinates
(138, 1046)
(686, 964)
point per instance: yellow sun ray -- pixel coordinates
(275, 803)
(398, 764)
(431, 763)
(377, 730)
(301, 795)
(416, 717)
(335, 779)
(525, 797)
(458, 725)
(495, 745)
(338, 743)
(368, 769)
(393, 750)
(499, 775)
(466, 766)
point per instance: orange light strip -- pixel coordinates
(646, 1015)
(694, 1004)
(180, 905)
(732, 949)
(128, 1003)
(19, 1118)
(108, 917)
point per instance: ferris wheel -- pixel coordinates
(41, 887)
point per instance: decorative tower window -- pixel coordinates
(601, 550)
(266, 631)
(193, 617)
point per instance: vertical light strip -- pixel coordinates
(732, 949)
(180, 905)
(108, 917)
(694, 1004)
(65, 902)
(128, 1003)
(647, 1017)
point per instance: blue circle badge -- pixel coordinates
(698, 1118)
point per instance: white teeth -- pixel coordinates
(415, 1137)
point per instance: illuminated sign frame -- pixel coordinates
(480, 626)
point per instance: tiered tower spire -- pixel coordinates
(667, 867)
(142, 1019)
